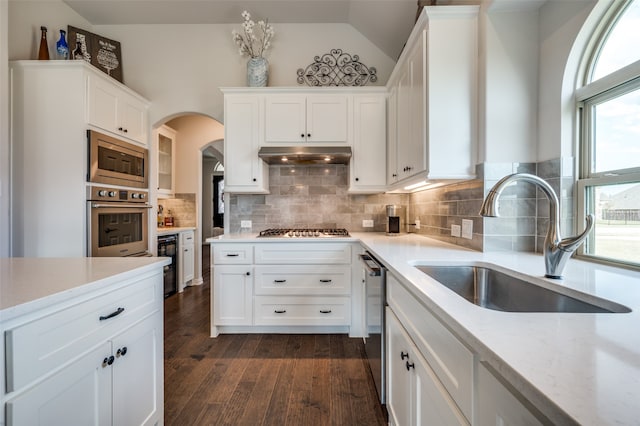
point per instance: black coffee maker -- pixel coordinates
(395, 221)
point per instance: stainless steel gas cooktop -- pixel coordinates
(304, 233)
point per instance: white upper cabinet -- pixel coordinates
(166, 141)
(432, 111)
(244, 172)
(300, 118)
(115, 109)
(368, 162)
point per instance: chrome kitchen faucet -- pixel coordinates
(556, 250)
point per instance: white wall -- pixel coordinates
(563, 35)
(25, 20)
(193, 133)
(180, 67)
(4, 130)
(508, 84)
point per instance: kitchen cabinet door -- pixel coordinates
(137, 394)
(302, 118)
(327, 119)
(497, 405)
(79, 394)
(112, 109)
(232, 302)
(244, 171)
(285, 119)
(186, 258)
(392, 136)
(398, 379)
(369, 135)
(411, 113)
(166, 142)
(416, 396)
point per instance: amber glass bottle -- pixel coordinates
(43, 53)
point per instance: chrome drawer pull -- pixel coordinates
(277, 311)
(112, 314)
(323, 311)
(325, 281)
(279, 281)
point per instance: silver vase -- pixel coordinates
(257, 72)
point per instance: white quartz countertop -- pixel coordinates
(27, 284)
(584, 366)
(168, 230)
(574, 367)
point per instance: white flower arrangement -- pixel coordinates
(251, 42)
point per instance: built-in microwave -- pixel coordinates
(116, 162)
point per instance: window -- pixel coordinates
(609, 145)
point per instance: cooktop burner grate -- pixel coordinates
(304, 232)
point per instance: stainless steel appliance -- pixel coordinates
(395, 219)
(118, 222)
(168, 246)
(374, 342)
(115, 162)
(304, 233)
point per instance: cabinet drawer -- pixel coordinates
(232, 254)
(448, 357)
(49, 342)
(186, 238)
(321, 311)
(303, 253)
(303, 280)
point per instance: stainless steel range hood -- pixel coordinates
(301, 155)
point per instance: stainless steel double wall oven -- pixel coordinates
(118, 214)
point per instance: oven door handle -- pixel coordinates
(121, 205)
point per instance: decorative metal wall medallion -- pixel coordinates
(337, 69)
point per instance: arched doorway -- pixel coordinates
(193, 133)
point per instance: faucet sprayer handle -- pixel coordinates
(570, 244)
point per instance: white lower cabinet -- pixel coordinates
(111, 371)
(232, 295)
(435, 379)
(498, 406)
(186, 259)
(415, 395)
(79, 394)
(297, 284)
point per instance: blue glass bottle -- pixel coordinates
(62, 49)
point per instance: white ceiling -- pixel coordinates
(386, 23)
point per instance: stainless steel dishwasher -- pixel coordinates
(374, 342)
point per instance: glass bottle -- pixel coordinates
(62, 48)
(77, 52)
(43, 53)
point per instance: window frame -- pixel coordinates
(592, 93)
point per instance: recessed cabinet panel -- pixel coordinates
(369, 132)
(497, 405)
(115, 110)
(79, 394)
(451, 361)
(302, 118)
(327, 119)
(285, 119)
(288, 310)
(303, 280)
(232, 295)
(244, 172)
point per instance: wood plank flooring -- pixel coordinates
(260, 379)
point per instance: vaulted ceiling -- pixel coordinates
(386, 23)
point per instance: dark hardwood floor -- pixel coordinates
(260, 379)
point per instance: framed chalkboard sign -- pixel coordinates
(101, 52)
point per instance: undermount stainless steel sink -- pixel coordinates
(496, 290)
